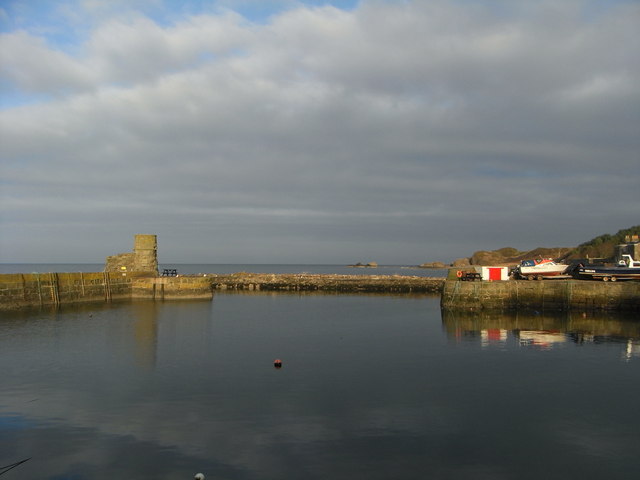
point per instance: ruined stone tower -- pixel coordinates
(143, 259)
(145, 249)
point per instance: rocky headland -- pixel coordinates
(599, 248)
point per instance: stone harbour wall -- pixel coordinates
(327, 283)
(546, 295)
(34, 290)
(172, 288)
(28, 290)
(39, 289)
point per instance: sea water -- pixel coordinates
(371, 386)
(224, 268)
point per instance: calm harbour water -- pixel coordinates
(372, 387)
(224, 268)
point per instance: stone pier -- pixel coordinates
(546, 295)
(28, 290)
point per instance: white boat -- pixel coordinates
(539, 269)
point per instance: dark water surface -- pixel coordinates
(372, 387)
(227, 268)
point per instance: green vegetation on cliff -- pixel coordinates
(602, 246)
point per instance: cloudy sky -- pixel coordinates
(284, 131)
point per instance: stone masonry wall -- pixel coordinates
(327, 283)
(172, 288)
(145, 249)
(40, 289)
(547, 295)
(122, 263)
(22, 290)
(144, 257)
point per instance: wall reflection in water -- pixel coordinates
(146, 333)
(544, 331)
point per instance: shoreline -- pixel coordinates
(27, 290)
(22, 290)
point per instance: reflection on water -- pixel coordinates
(542, 339)
(372, 386)
(146, 333)
(545, 331)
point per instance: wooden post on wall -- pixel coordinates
(39, 288)
(55, 294)
(107, 287)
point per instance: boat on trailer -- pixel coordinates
(627, 269)
(541, 268)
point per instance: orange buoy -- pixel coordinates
(277, 363)
(459, 273)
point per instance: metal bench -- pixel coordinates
(470, 277)
(169, 272)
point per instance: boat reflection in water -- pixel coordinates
(544, 331)
(543, 339)
(633, 349)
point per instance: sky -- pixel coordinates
(318, 132)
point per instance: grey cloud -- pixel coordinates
(422, 119)
(29, 63)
